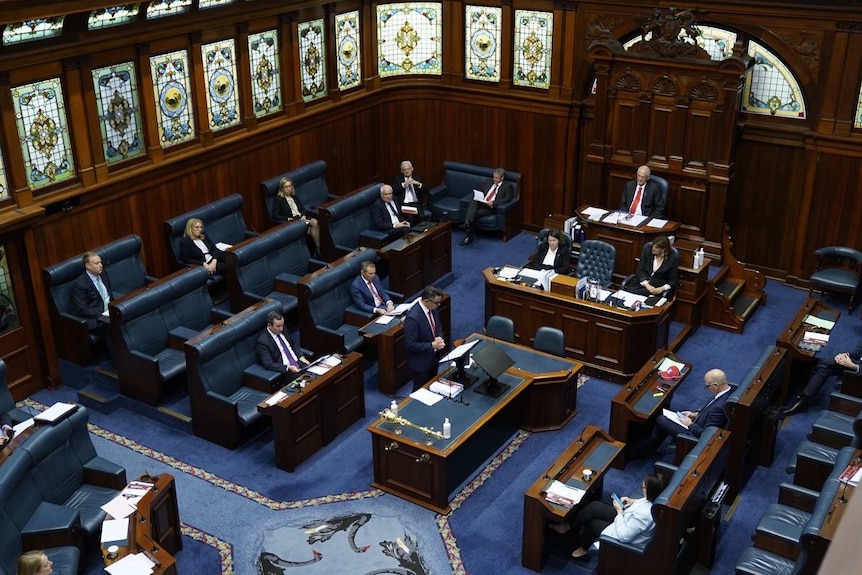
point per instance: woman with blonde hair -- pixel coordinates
(196, 248)
(35, 563)
(287, 207)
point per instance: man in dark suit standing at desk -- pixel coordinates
(642, 196)
(497, 191)
(275, 352)
(386, 214)
(694, 422)
(423, 332)
(91, 293)
(367, 291)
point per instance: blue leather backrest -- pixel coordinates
(461, 179)
(597, 260)
(351, 216)
(330, 291)
(293, 256)
(55, 467)
(19, 495)
(188, 302)
(684, 467)
(144, 328)
(309, 182)
(223, 222)
(749, 376)
(280, 250)
(11, 546)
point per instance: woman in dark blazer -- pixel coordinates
(552, 254)
(196, 248)
(287, 207)
(657, 274)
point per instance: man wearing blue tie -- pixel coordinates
(275, 351)
(423, 333)
(91, 292)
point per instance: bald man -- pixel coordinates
(642, 196)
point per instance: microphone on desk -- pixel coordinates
(581, 436)
(843, 498)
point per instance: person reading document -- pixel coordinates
(274, 350)
(496, 191)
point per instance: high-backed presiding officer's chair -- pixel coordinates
(500, 327)
(662, 188)
(550, 340)
(837, 269)
(597, 261)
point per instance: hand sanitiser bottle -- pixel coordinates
(393, 407)
(447, 429)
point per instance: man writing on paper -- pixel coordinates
(497, 191)
(386, 214)
(367, 291)
(692, 422)
(642, 196)
(423, 333)
(275, 351)
(845, 361)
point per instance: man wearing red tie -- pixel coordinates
(497, 191)
(275, 351)
(367, 292)
(642, 196)
(423, 333)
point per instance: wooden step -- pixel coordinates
(745, 305)
(731, 288)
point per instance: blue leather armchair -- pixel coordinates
(346, 224)
(309, 182)
(550, 340)
(597, 261)
(837, 269)
(125, 271)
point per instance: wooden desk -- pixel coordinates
(593, 449)
(425, 469)
(15, 443)
(418, 259)
(388, 340)
(154, 528)
(635, 408)
(302, 423)
(802, 360)
(611, 342)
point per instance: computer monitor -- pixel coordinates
(495, 362)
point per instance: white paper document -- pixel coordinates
(118, 507)
(115, 530)
(429, 398)
(56, 412)
(223, 246)
(508, 272)
(813, 337)
(459, 351)
(446, 388)
(563, 494)
(656, 223)
(409, 210)
(594, 213)
(629, 298)
(24, 425)
(403, 307)
(275, 398)
(674, 416)
(818, 322)
(132, 564)
(384, 319)
(478, 196)
(667, 362)
(625, 218)
(535, 275)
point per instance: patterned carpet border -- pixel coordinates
(225, 549)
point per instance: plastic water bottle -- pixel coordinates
(393, 407)
(447, 429)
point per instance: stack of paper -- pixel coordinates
(115, 531)
(275, 398)
(56, 412)
(324, 364)
(818, 322)
(132, 564)
(816, 338)
(425, 396)
(447, 388)
(563, 494)
(851, 475)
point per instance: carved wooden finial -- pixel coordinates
(673, 34)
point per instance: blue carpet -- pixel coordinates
(239, 503)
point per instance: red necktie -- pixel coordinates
(374, 293)
(291, 359)
(637, 200)
(490, 197)
(433, 325)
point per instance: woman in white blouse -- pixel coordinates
(552, 254)
(196, 248)
(286, 207)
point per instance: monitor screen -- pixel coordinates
(493, 359)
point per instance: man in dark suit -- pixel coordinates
(845, 361)
(386, 214)
(693, 422)
(275, 351)
(497, 191)
(91, 293)
(423, 332)
(367, 291)
(642, 196)
(408, 189)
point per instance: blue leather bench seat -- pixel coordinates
(326, 306)
(144, 324)
(346, 223)
(125, 271)
(221, 361)
(835, 429)
(754, 561)
(309, 183)
(256, 267)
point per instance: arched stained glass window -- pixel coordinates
(206, 4)
(409, 38)
(119, 111)
(162, 8)
(171, 86)
(31, 30)
(219, 60)
(482, 43)
(265, 77)
(114, 16)
(534, 34)
(312, 60)
(770, 87)
(349, 54)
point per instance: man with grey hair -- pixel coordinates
(497, 191)
(386, 214)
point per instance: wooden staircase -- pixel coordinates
(736, 291)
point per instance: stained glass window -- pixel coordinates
(534, 33)
(4, 183)
(858, 122)
(119, 111)
(220, 77)
(717, 42)
(8, 315)
(409, 38)
(114, 16)
(312, 62)
(349, 54)
(173, 107)
(32, 30)
(162, 8)
(43, 132)
(265, 77)
(205, 4)
(770, 87)
(482, 43)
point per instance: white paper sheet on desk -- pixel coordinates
(625, 218)
(629, 298)
(656, 223)
(813, 337)
(429, 398)
(534, 275)
(118, 507)
(115, 530)
(566, 493)
(223, 246)
(56, 411)
(132, 564)
(667, 362)
(594, 212)
(508, 272)
(818, 322)
(403, 307)
(24, 425)
(383, 319)
(275, 398)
